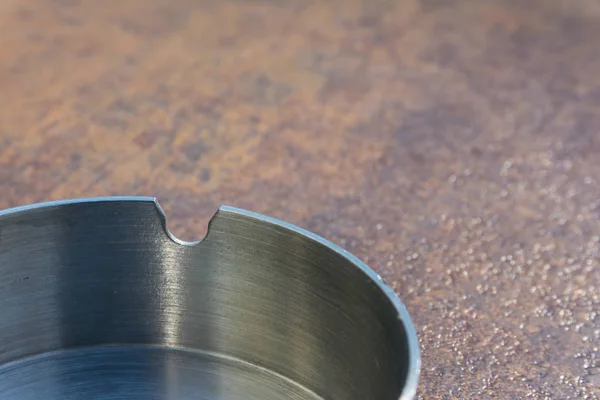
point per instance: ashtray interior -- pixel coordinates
(99, 301)
(143, 372)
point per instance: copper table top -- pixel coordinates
(452, 145)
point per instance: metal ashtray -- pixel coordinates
(99, 301)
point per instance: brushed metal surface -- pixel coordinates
(100, 301)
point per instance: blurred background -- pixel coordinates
(454, 145)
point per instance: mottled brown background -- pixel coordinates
(453, 145)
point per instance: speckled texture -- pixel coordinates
(453, 145)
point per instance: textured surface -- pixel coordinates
(453, 145)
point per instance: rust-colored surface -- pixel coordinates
(453, 145)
